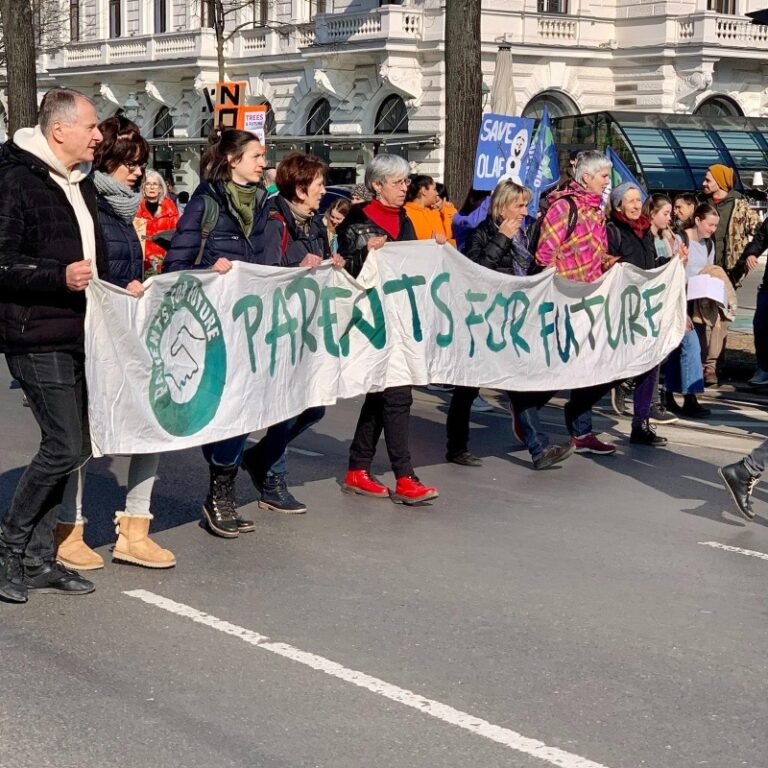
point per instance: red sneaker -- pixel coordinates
(360, 481)
(410, 490)
(590, 444)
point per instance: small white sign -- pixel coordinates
(707, 287)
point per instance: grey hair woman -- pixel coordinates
(368, 227)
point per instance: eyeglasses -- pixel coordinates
(134, 166)
(398, 182)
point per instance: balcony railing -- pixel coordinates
(714, 29)
(549, 29)
(388, 22)
(165, 47)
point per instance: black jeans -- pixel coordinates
(457, 424)
(389, 411)
(54, 383)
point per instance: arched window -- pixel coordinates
(392, 116)
(558, 103)
(163, 125)
(319, 119)
(719, 106)
(319, 124)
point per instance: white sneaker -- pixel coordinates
(481, 405)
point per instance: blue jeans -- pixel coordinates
(268, 455)
(755, 461)
(225, 453)
(683, 371)
(578, 414)
(54, 383)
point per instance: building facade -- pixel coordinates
(350, 78)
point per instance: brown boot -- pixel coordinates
(72, 551)
(134, 545)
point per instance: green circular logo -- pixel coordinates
(189, 359)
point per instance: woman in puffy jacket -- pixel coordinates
(294, 236)
(119, 163)
(161, 215)
(498, 243)
(223, 222)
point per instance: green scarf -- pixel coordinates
(244, 202)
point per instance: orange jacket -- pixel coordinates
(427, 221)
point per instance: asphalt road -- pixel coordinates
(583, 607)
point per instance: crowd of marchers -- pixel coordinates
(77, 203)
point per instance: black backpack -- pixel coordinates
(533, 232)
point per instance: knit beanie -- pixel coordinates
(617, 193)
(723, 175)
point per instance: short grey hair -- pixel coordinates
(591, 161)
(151, 173)
(384, 166)
(59, 104)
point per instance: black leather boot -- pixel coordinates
(12, 587)
(276, 496)
(220, 510)
(739, 483)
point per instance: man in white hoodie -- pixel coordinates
(50, 248)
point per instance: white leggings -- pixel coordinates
(141, 478)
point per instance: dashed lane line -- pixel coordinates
(478, 726)
(737, 550)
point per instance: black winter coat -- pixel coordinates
(39, 238)
(280, 229)
(624, 243)
(122, 246)
(357, 229)
(755, 247)
(226, 239)
(490, 248)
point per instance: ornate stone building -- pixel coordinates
(347, 78)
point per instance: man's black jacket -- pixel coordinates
(39, 237)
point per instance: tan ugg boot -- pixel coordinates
(134, 545)
(72, 551)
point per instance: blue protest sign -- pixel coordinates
(543, 166)
(502, 150)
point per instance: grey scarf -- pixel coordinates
(123, 201)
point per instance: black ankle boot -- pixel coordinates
(12, 586)
(220, 510)
(670, 403)
(276, 496)
(645, 434)
(693, 409)
(739, 483)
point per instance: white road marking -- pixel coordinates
(476, 725)
(738, 550)
(302, 451)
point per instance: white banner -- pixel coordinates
(201, 356)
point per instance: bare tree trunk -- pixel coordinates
(463, 94)
(219, 23)
(20, 63)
